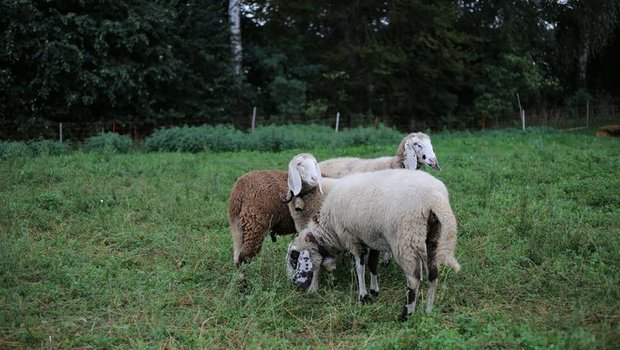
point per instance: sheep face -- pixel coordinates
(299, 265)
(303, 168)
(419, 151)
(304, 258)
(304, 271)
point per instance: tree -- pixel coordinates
(234, 18)
(584, 28)
(124, 60)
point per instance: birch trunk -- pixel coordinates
(582, 66)
(234, 18)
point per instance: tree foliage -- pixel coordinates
(90, 60)
(415, 63)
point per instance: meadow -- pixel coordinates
(106, 250)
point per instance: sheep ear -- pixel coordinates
(294, 179)
(411, 159)
(318, 171)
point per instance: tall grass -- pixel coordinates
(107, 250)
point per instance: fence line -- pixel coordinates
(560, 118)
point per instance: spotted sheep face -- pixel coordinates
(299, 266)
(304, 271)
(419, 151)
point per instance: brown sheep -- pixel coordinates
(256, 208)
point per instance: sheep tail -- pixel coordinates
(446, 242)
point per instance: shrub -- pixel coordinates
(195, 139)
(276, 138)
(49, 147)
(108, 142)
(369, 136)
(14, 150)
(266, 138)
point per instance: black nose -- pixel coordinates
(303, 285)
(298, 209)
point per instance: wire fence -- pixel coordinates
(559, 118)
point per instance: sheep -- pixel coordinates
(257, 206)
(306, 195)
(307, 190)
(255, 202)
(414, 151)
(255, 209)
(406, 212)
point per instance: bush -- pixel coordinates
(49, 147)
(267, 138)
(108, 142)
(278, 138)
(33, 148)
(195, 139)
(14, 150)
(370, 136)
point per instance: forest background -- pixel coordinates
(411, 64)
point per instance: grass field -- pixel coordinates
(133, 251)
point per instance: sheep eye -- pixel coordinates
(424, 156)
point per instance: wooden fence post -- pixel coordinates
(521, 112)
(587, 113)
(337, 120)
(253, 118)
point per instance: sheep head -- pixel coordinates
(304, 257)
(303, 168)
(415, 150)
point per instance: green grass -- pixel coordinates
(133, 251)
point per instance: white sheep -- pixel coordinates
(255, 202)
(405, 212)
(413, 152)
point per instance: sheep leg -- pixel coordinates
(314, 285)
(373, 260)
(433, 272)
(361, 280)
(434, 227)
(413, 284)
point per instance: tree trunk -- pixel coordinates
(234, 18)
(582, 66)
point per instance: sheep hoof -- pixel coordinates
(374, 294)
(403, 316)
(364, 298)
